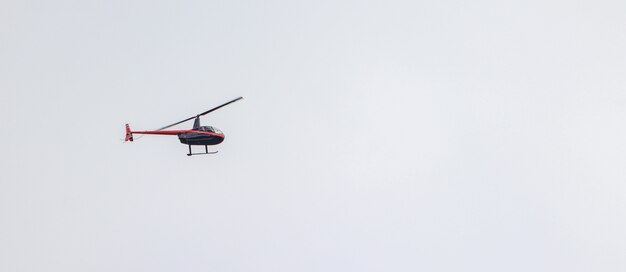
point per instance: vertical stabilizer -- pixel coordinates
(129, 134)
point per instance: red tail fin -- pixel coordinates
(129, 134)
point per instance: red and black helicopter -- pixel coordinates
(198, 135)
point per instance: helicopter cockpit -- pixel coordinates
(209, 129)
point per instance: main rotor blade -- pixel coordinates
(232, 101)
(206, 112)
(176, 123)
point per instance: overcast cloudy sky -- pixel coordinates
(374, 136)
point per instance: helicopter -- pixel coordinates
(197, 135)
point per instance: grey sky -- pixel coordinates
(374, 136)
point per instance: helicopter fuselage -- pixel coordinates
(195, 137)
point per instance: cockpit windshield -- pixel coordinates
(209, 129)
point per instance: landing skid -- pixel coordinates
(206, 151)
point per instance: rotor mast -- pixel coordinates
(196, 123)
